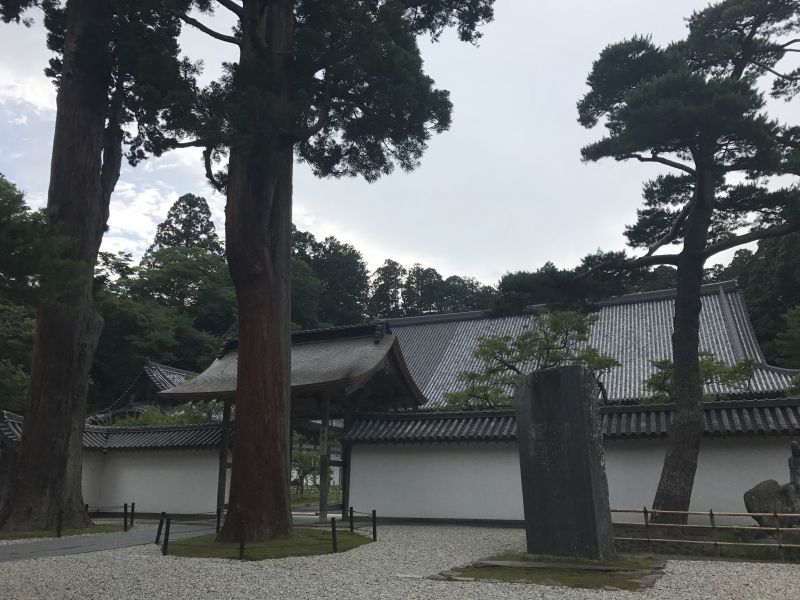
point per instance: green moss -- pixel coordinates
(636, 572)
(306, 541)
(21, 535)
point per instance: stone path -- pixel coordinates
(80, 544)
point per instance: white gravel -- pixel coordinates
(394, 567)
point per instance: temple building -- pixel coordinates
(380, 388)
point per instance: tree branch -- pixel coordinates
(751, 236)
(648, 260)
(776, 73)
(664, 161)
(231, 6)
(201, 143)
(215, 183)
(790, 42)
(215, 34)
(324, 112)
(674, 230)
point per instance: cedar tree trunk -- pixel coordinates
(258, 219)
(84, 169)
(680, 463)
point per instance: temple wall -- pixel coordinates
(175, 481)
(482, 481)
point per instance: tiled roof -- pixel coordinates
(730, 418)
(635, 329)
(161, 376)
(95, 437)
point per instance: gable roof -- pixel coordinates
(335, 361)
(635, 329)
(780, 416)
(162, 377)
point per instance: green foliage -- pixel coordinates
(787, 342)
(188, 225)
(387, 290)
(551, 339)
(184, 414)
(712, 371)
(305, 462)
(343, 280)
(794, 390)
(306, 293)
(770, 280)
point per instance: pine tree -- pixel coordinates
(696, 108)
(188, 224)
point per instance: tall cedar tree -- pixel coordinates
(341, 84)
(188, 224)
(387, 290)
(695, 106)
(116, 65)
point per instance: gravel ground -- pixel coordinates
(394, 567)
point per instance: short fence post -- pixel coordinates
(166, 538)
(351, 519)
(333, 535)
(59, 522)
(713, 531)
(125, 517)
(779, 535)
(241, 542)
(219, 518)
(374, 526)
(133, 510)
(86, 508)
(647, 529)
(160, 526)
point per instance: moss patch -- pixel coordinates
(48, 533)
(306, 541)
(634, 573)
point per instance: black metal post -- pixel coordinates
(241, 542)
(133, 510)
(60, 522)
(374, 526)
(351, 519)
(166, 538)
(86, 507)
(160, 526)
(333, 535)
(125, 517)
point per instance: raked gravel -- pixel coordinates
(394, 567)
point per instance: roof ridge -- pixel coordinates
(667, 293)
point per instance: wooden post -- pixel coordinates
(133, 511)
(374, 525)
(160, 527)
(60, 522)
(351, 519)
(714, 531)
(779, 535)
(223, 458)
(647, 529)
(241, 542)
(125, 517)
(333, 535)
(324, 460)
(165, 547)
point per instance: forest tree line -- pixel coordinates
(177, 304)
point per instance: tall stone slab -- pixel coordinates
(564, 487)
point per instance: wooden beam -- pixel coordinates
(223, 455)
(324, 459)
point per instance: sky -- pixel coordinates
(502, 190)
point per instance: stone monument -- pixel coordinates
(564, 487)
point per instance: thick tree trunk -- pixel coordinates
(48, 472)
(258, 219)
(680, 463)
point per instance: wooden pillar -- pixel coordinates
(349, 409)
(324, 460)
(223, 455)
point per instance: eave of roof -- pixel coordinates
(779, 416)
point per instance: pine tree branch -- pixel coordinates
(776, 73)
(790, 42)
(664, 161)
(751, 236)
(207, 30)
(674, 230)
(231, 6)
(199, 143)
(323, 115)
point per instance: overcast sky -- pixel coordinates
(504, 189)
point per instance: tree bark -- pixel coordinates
(258, 235)
(680, 463)
(48, 472)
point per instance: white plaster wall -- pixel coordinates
(482, 481)
(175, 481)
(458, 481)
